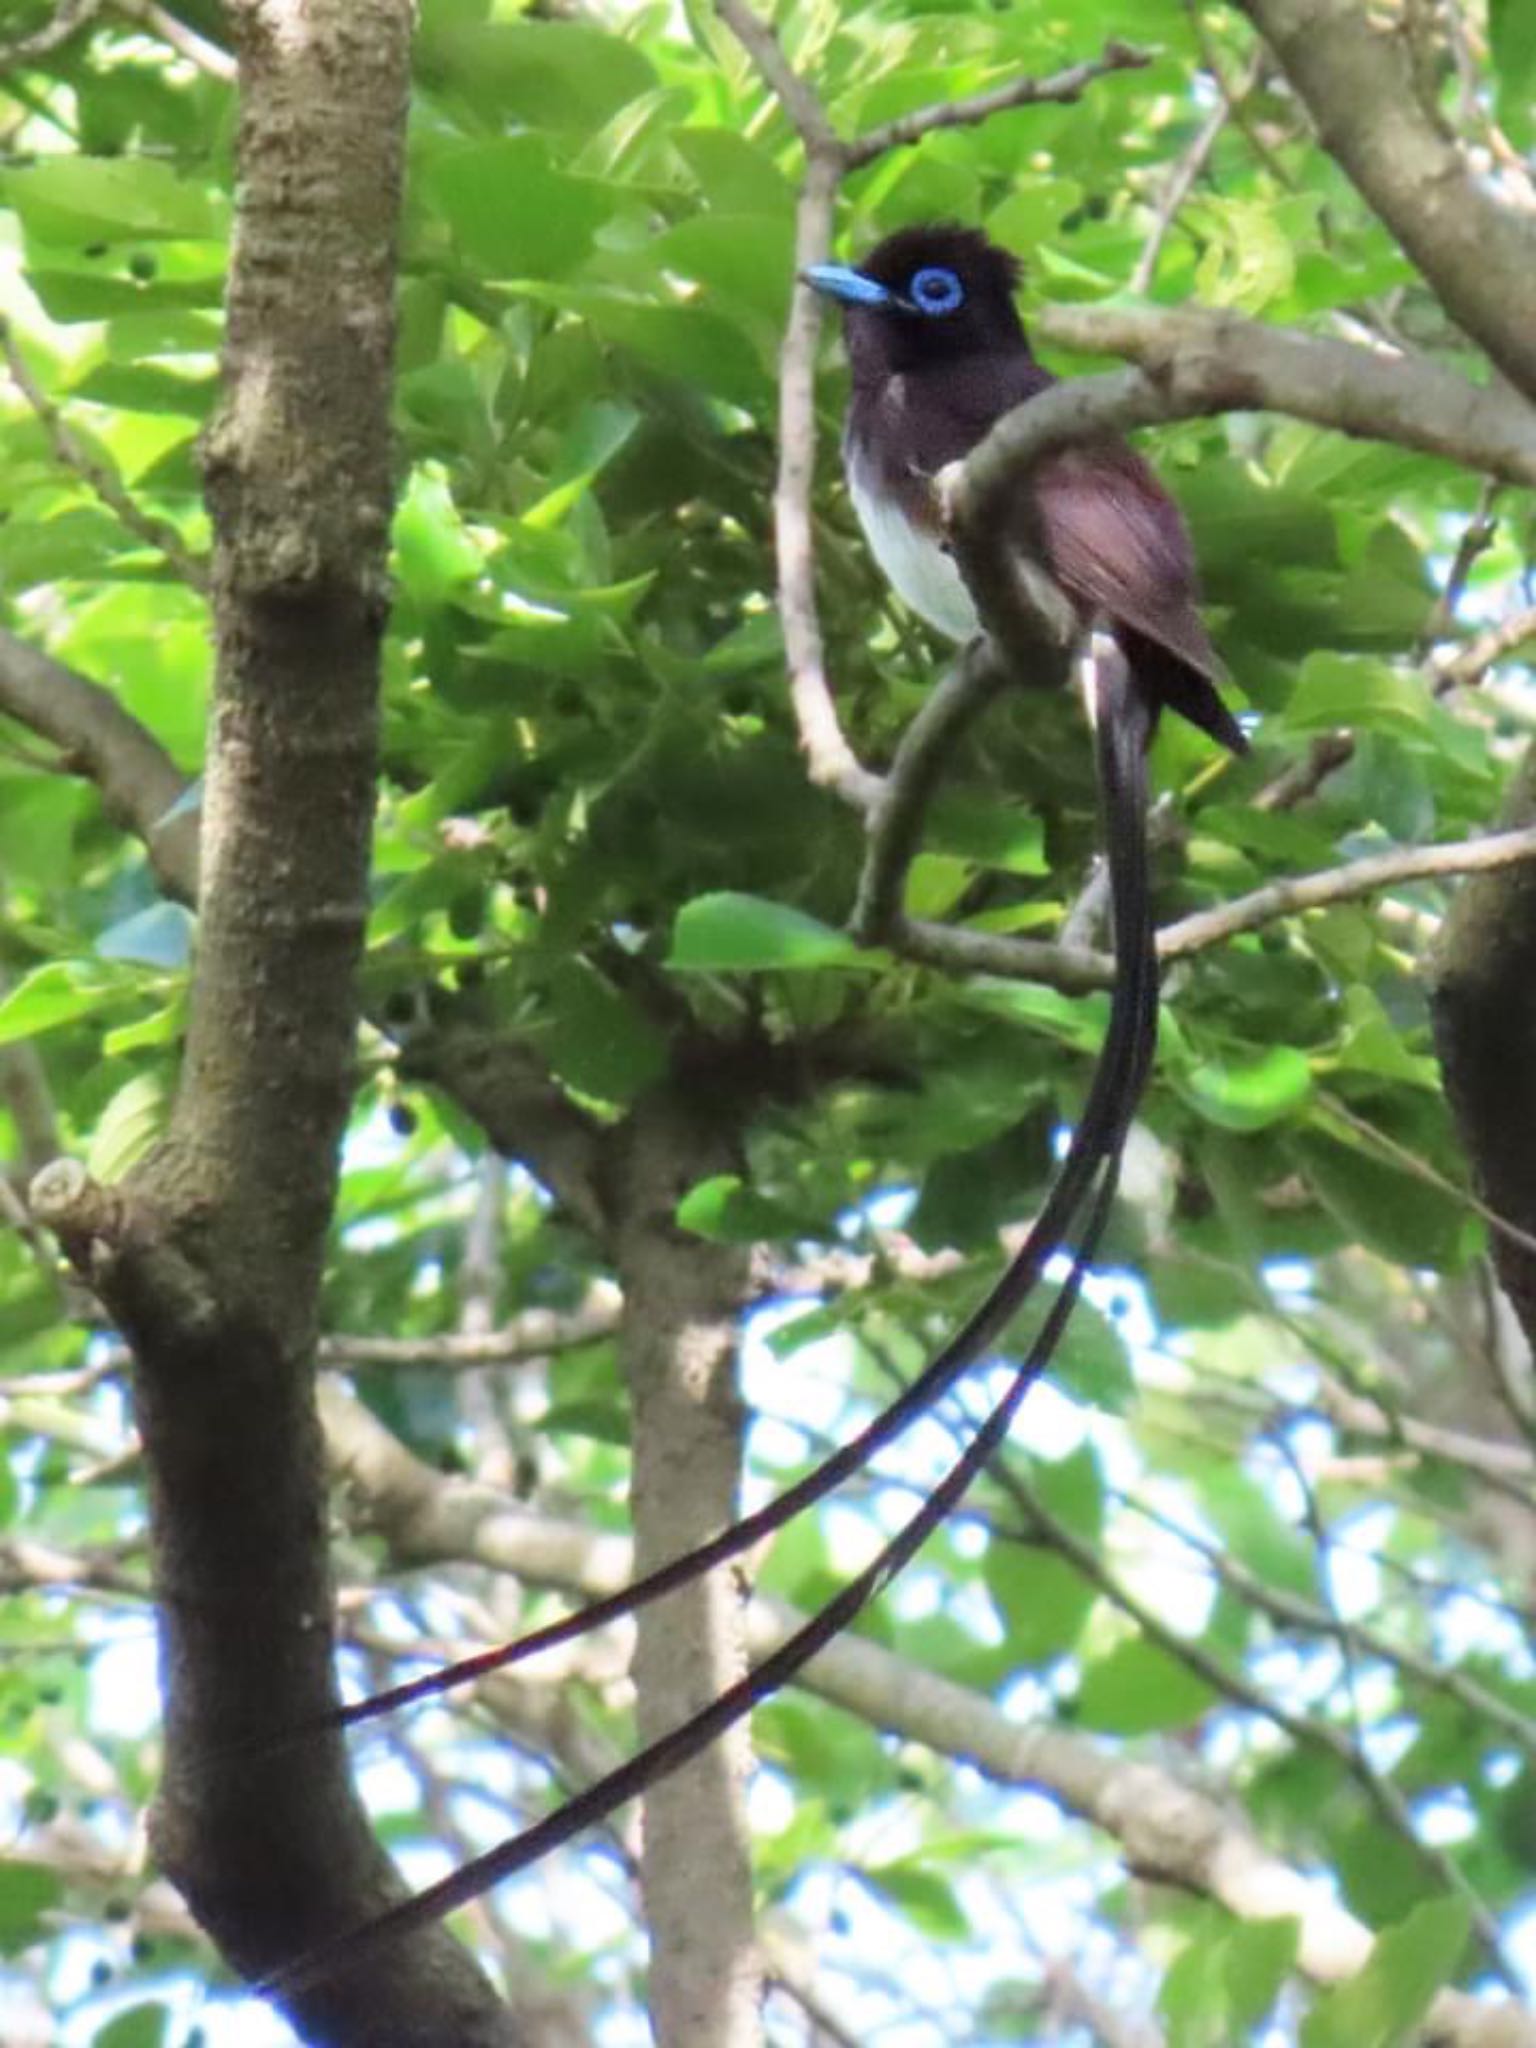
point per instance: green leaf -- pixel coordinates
(921, 1896)
(50, 996)
(544, 232)
(1225, 1980)
(606, 1422)
(595, 1039)
(1254, 1531)
(1075, 1021)
(1139, 1688)
(1008, 837)
(128, 1126)
(729, 933)
(29, 1892)
(140, 2026)
(1246, 1092)
(166, 1025)
(1348, 689)
(434, 556)
(1249, 258)
(1258, 1956)
(67, 295)
(734, 173)
(146, 387)
(1090, 1360)
(1512, 45)
(1394, 1212)
(1042, 1601)
(743, 261)
(727, 1211)
(1193, 1996)
(39, 815)
(108, 199)
(1245, 524)
(693, 346)
(547, 74)
(596, 436)
(1383, 2004)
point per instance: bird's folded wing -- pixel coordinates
(1117, 545)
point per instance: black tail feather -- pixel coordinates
(1086, 1183)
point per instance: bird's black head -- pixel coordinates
(924, 294)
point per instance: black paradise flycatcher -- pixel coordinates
(938, 355)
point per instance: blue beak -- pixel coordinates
(840, 281)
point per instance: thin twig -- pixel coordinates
(895, 820)
(1301, 779)
(1075, 970)
(1469, 664)
(1405, 1157)
(95, 475)
(1062, 88)
(70, 16)
(1292, 1611)
(1477, 536)
(1237, 105)
(185, 41)
(1304, 1729)
(1340, 885)
(806, 113)
(533, 1335)
(830, 760)
(1181, 180)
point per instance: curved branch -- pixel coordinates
(140, 785)
(895, 819)
(1061, 88)
(1192, 364)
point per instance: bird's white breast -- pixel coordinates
(921, 572)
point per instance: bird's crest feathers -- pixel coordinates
(946, 244)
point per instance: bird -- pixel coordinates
(938, 356)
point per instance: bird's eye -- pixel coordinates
(936, 290)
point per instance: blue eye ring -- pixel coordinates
(935, 289)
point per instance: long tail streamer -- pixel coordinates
(1081, 1194)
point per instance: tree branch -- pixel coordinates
(1197, 363)
(68, 17)
(1350, 68)
(1061, 88)
(139, 784)
(98, 478)
(895, 819)
(1075, 971)
(529, 1338)
(1169, 1831)
(683, 1299)
(210, 1261)
(186, 42)
(1367, 877)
